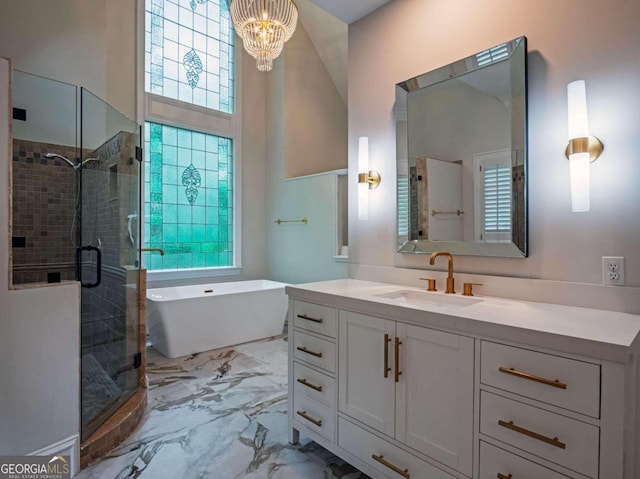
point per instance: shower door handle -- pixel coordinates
(98, 266)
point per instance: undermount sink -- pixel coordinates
(407, 296)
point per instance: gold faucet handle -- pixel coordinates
(431, 284)
(467, 288)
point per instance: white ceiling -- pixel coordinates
(349, 10)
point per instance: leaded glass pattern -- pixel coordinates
(189, 52)
(195, 230)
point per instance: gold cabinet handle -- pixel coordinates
(308, 318)
(317, 422)
(553, 441)
(403, 472)
(554, 383)
(387, 340)
(397, 359)
(309, 385)
(312, 353)
(502, 476)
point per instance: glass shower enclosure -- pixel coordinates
(76, 201)
(108, 259)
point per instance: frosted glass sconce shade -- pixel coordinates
(367, 179)
(582, 148)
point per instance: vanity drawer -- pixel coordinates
(317, 417)
(316, 351)
(313, 384)
(562, 382)
(391, 461)
(559, 439)
(315, 317)
(498, 463)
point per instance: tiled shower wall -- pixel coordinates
(44, 196)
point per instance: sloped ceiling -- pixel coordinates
(326, 23)
(349, 10)
(329, 37)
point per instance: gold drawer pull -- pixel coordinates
(502, 476)
(396, 469)
(317, 422)
(309, 385)
(397, 360)
(312, 353)
(553, 441)
(387, 340)
(308, 318)
(555, 383)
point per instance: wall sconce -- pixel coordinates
(367, 179)
(582, 148)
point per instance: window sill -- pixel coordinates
(193, 273)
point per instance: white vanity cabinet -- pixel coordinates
(312, 367)
(419, 393)
(411, 383)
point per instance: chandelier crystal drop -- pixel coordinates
(264, 25)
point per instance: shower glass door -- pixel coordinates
(108, 260)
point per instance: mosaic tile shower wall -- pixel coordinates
(188, 198)
(44, 194)
(189, 52)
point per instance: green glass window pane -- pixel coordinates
(198, 141)
(184, 157)
(184, 233)
(199, 233)
(199, 260)
(188, 208)
(169, 194)
(184, 261)
(212, 259)
(169, 155)
(170, 174)
(169, 213)
(184, 213)
(184, 138)
(211, 215)
(170, 261)
(169, 233)
(169, 135)
(198, 215)
(197, 159)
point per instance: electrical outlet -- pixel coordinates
(613, 270)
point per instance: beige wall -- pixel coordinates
(314, 113)
(296, 252)
(569, 40)
(89, 43)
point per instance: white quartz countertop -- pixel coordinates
(598, 334)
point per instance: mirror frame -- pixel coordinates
(439, 75)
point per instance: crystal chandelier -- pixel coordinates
(264, 25)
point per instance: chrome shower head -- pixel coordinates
(63, 158)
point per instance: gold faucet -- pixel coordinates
(450, 283)
(156, 250)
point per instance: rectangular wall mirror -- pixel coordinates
(461, 134)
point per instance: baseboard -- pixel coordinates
(65, 447)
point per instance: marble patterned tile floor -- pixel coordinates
(218, 415)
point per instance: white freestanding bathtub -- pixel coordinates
(191, 319)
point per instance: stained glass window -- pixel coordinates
(188, 198)
(189, 52)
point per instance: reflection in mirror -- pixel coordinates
(461, 156)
